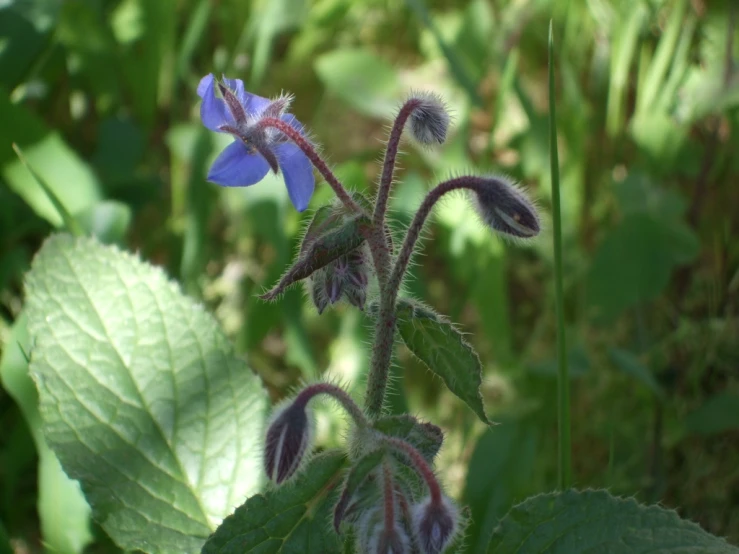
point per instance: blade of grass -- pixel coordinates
(70, 223)
(563, 378)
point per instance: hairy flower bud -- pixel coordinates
(376, 538)
(347, 276)
(429, 121)
(434, 524)
(506, 208)
(288, 437)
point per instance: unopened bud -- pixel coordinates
(434, 524)
(506, 208)
(288, 437)
(429, 121)
(391, 541)
(376, 538)
(348, 276)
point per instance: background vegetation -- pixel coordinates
(100, 94)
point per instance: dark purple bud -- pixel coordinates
(288, 437)
(434, 524)
(506, 208)
(429, 121)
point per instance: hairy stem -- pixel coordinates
(385, 325)
(419, 220)
(391, 154)
(310, 151)
(420, 465)
(382, 353)
(389, 496)
(339, 394)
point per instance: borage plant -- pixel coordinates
(389, 499)
(148, 408)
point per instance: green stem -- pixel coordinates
(563, 378)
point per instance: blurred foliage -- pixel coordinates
(100, 96)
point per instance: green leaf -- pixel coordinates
(291, 519)
(65, 526)
(439, 345)
(501, 471)
(575, 522)
(361, 78)
(321, 251)
(629, 363)
(107, 220)
(427, 438)
(634, 262)
(718, 414)
(68, 177)
(141, 396)
(355, 479)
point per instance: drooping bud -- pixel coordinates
(287, 440)
(434, 524)
(506, 208)
(347, 276)
(390, 541)
(429, 121)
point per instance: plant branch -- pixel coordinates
(310, 151)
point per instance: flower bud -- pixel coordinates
(434, 524)
(348, 276)
(288, 437)
(429, 121)
(506, 208)
(376, 538)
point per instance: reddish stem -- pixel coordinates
(309, 150)
(389, 496)
(421, 467)
(391, 154)
(338, 394)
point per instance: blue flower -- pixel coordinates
(228, 108)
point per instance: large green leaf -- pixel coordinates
(439, 345)
(63, 512)
(576, 522)
(141, 396)
(293, 519)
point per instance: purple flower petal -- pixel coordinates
(213, 110)
(252, 103)
(237, 167)
(298, 173)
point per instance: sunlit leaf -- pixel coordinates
(141, 396)
(294, 518)
(63, 511)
